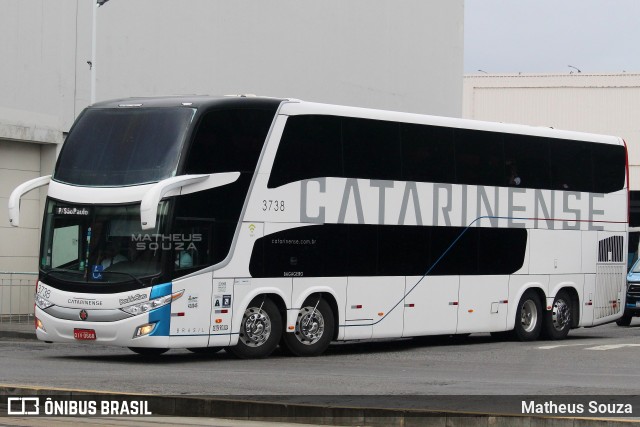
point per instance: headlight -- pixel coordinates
(144, 307)
(41, 302)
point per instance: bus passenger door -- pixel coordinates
(483, 304)
(431, 305)
(370, 311)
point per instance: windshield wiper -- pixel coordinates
(48, 271)
(138, 281)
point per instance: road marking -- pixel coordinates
(612, 346)
(550, 347)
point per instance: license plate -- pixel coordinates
(84, 334)
(637, 303)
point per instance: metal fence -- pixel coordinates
(16, 296)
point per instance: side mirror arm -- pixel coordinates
(21, 190)
(188, 184)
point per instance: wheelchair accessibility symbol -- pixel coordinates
(96, 272)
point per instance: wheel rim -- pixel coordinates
(256, 327)
(309, 326)
(529, 316)
(561, 314)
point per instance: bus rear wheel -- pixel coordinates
(557, 321)
(314, 329)
(260, 330)
(148, 351)
(528, 317)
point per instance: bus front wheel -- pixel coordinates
(260, 330)
(528, 317)
(314, 329)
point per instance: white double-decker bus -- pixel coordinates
(246, 223)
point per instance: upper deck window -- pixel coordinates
(123, 146)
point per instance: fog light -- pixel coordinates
(144, 330)
(39, 325)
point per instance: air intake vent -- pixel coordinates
(611, 249)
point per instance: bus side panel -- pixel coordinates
(369, 301)
(555, 251)
(191, 313)
(586, 307)
(431, 307)
(483, 304)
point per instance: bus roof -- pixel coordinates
(297, 107)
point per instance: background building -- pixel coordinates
(400, 56)
(597, 103)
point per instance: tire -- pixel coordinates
(205, 350)
(528, 317)
(625, 320)
(260, 330)
(314, 329)
(148, 351)
(557, 321)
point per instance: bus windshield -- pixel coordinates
(100, 244)
(123, 146)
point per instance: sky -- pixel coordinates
(546, 36)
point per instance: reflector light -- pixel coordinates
(218, 320)
(39, 325)
(381, 314)
(143, 330)
(291, 328)
(470, 311)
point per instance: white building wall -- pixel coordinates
(597, 103)
(404, 56)
(385, 54)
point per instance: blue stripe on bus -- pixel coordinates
(160, 290)
(161, 316)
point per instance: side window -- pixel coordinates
(526, 162)
(427, 153)
(228, 141)
(310, 148)
(479, 158)
(403, 250)
(315, 251)
(571, 168)
(217, 221)
(609, 167)
(371, 149)
(194, 247)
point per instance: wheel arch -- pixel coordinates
(331, 300)
(274, 294)
(513, 303)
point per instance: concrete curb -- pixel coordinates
(255, 410)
